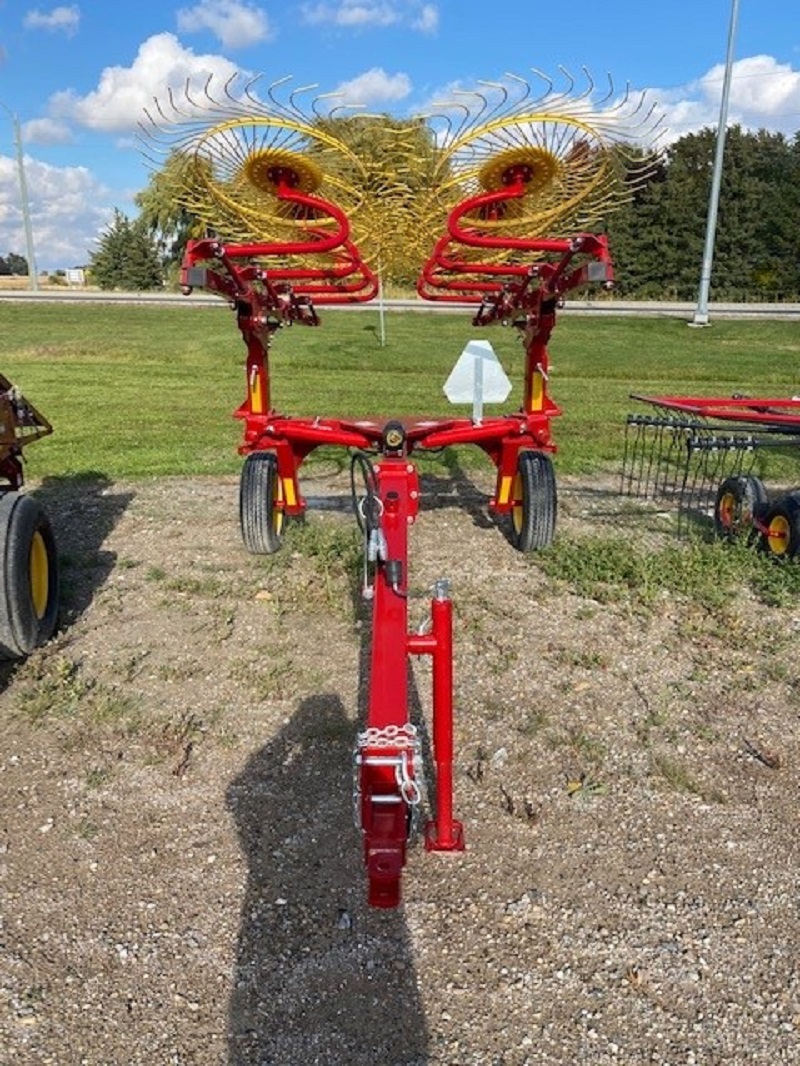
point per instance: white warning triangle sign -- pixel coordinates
(477, 378)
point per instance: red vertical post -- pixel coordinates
(258, 400)
(444, 833)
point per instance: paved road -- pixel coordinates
(652, 308)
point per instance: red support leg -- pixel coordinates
(444, 833)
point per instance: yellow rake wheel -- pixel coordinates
(29, 588)
(571, 151)
(740, 501)
(781, 537)
(229, 153)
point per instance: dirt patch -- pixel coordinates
(180, 876)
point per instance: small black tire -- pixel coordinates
(740, 502)
(781, 528)
(534, 502)
(29, 587)
(261, 504)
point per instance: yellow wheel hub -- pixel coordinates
(535, 167)
(39, 575)
(266, 169)
(778, 535)
(727, 510)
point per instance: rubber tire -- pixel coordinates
(740, 501)
(533, 516)
(29, 588)
(260, 496)
(781, 537)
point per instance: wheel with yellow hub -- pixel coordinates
(781, 535)
(29, 586)
(261, 514)
(268, 169)
(578, 154)
(535, 167)
(534, 502)
(239, 174)
(740, 501)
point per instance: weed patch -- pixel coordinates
(712, 574)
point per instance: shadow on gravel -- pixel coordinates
(83, 509)
(457, 490)
(320, 977)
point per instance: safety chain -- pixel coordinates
(406, 758)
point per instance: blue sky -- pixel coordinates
(78, 75)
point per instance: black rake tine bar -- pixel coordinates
(741, 444)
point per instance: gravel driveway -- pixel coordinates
(180, 879)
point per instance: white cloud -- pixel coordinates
(373, 87)
(122, 94)
(764, 94)
(361, 13)
(46, 131)
(350, 13)
(59, 20)
(69, 207)
(760, 87)
(235, 24)
(428, 19)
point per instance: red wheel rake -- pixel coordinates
(703, 453)
(290, 194)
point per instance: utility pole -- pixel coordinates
(701, 312)
(23, 195)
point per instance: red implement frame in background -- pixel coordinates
(707, 454)
(388, 753)
(776, 412)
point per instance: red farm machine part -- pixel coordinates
(496, 199)
(29, 584)
(704, 454)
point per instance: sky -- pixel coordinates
(75, 78)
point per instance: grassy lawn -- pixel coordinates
(148, 391)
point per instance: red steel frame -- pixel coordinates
(780, 412)
(527, 297)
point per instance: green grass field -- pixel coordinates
(140, 391)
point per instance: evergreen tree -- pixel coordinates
(658, 241)
(17, 264)
(127, 257)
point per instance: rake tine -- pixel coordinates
(633, 433)
(672, 466)
(654, 457)
(669, 461)
(627, 446)
(686, 494)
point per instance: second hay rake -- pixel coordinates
(703, 455)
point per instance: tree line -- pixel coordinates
(656, 239)
(13, 264)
